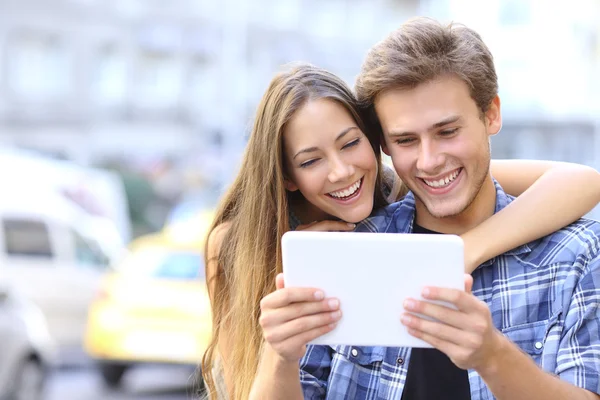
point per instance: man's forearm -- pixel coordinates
(276, 379)
(515, 376)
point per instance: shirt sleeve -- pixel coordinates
(579, 350)
(315, 367)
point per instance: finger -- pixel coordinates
(305, 337)
(299, 326)
(439, 312)
(462, 300)
(325, 226)
(303, 227)
(279, 283)
(286, 296)
(468, 283)
(282, 315)
(437, 330)
(448, 348)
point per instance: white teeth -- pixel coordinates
(346, 192)
(444, 181)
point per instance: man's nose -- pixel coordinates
(339, 170)
(430, 157)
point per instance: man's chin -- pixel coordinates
(444, 210)
(445, 213)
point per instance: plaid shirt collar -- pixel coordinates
(404, 212)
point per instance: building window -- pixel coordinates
(109, 84)
(204, 86)
(160, 79)
(39, 66)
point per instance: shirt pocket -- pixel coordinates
(355, 371)
(531, 338)
(361, 355)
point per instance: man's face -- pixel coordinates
(439, 142)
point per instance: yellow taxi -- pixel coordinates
(153, 307)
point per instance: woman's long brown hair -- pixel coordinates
(256, 209)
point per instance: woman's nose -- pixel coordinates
(340, 171)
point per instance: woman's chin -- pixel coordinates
(354, 217)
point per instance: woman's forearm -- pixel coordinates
(276, 379)
(559, 197)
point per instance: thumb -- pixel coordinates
(279, 284)
(468, 283)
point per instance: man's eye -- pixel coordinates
(308, 163)
(448, 132)
(405, 141)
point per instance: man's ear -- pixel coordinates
(289, 185)
(493, 117)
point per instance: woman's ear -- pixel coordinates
(289, 185)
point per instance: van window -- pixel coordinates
(88, 252)
(27, 238)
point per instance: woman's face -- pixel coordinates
(330, 161)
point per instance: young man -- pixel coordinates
(530, 329)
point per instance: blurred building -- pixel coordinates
(97, 78)
(91, 78)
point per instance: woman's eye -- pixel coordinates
(351, 144)
(308, 163)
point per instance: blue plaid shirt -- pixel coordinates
(544, 296)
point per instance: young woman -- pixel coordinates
(311, 163)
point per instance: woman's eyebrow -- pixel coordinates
(307, 150)
(344, 132)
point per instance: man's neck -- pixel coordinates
(482, 207)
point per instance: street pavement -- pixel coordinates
(140, 383)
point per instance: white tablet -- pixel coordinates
(372, 274)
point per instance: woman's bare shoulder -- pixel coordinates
(215, 239)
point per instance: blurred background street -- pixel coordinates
(149, 383)
(122, 121)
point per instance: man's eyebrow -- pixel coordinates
(448, 120)
(338, 137)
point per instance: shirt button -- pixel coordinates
(354, 352)
(400, 361)
(539, 345)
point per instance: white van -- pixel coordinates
(55, 254)
(98, 192)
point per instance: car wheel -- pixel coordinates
(112, 374)
(29, 381)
